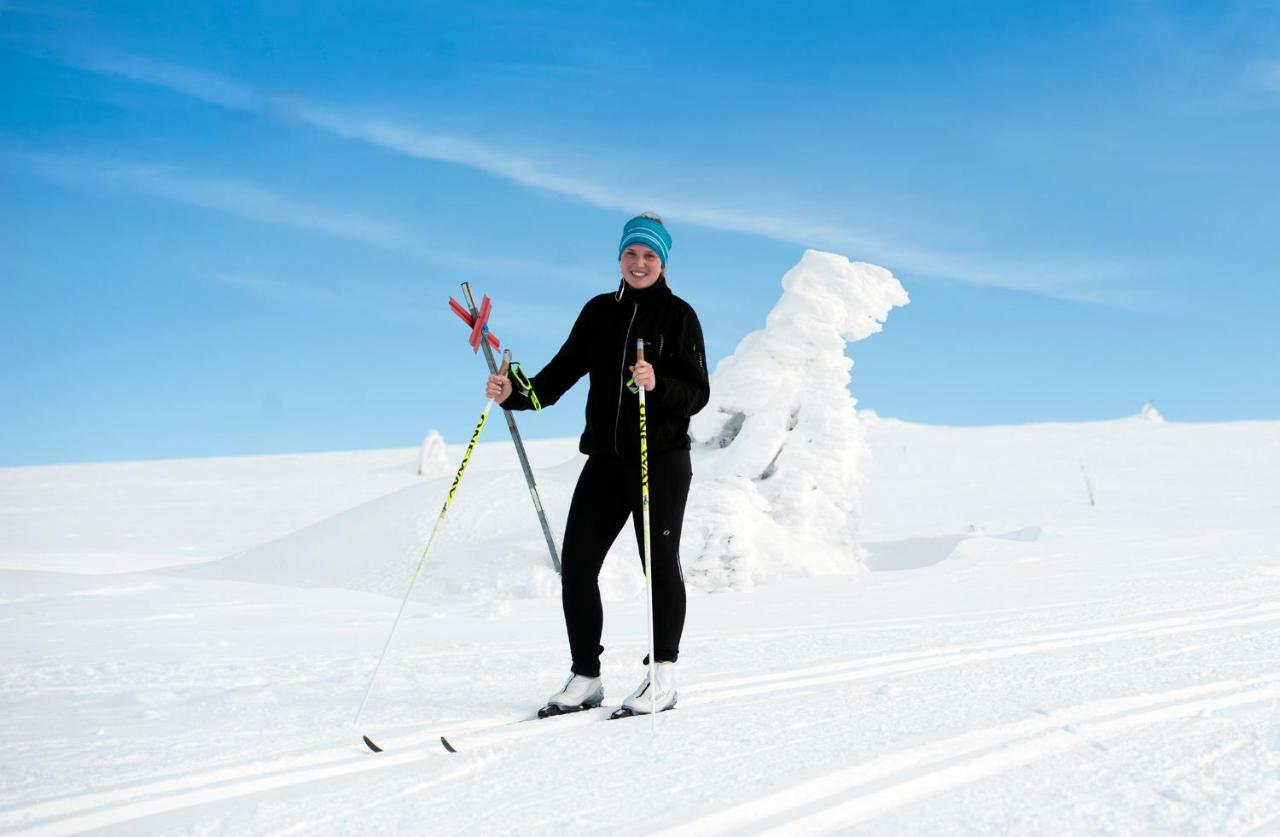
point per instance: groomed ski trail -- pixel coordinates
(972, 756)
(480, 740)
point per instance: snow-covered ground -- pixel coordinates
(893, 628)
(1017, 661)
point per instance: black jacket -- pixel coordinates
(603, 345)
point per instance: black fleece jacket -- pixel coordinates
(602, 344)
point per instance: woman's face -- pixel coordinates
(641, 266)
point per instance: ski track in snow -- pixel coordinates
(935, 658)
(1088, 723)
(1059, 731)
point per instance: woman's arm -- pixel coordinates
(681, 385)
(556, 378)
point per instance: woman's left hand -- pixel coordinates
(643, 374)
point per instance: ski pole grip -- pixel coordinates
(466, 293)
(639, 350)
(506, 362)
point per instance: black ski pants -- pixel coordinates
(608, 491)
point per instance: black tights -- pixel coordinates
(608, 491)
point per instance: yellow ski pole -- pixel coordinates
(648, 574)
(448, 500)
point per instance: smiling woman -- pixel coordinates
(640, 340)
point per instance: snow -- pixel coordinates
(780, 454)
(433, 459)
(185, 643)
(132, 515)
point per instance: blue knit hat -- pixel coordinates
(647, 229)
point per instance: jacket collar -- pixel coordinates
(649, 296)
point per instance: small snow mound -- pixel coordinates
(1150, 413)
(433, 458)
(483, 555)
(870, 419)
(779, 449)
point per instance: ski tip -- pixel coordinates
(443, 741)
(371, 745)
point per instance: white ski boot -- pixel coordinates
(644, 699)
(578, 693)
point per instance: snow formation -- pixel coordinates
(779, 454)
(433, 459)
(1151, 414)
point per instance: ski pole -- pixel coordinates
(448, 500)
(648, 574)
(515, 436)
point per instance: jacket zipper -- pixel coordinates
(622, 379)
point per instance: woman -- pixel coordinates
(602, 344)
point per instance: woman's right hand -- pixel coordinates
(498, 388)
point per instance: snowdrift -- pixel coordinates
(779, 457)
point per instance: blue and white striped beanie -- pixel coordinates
(647, 229)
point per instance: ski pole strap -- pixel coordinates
(526, 386)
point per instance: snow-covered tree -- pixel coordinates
(779, 454)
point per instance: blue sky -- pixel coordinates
(233, 228)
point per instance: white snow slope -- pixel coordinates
(1005, 657)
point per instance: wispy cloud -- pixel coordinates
(209, 87)
(1076, 279)
(250, 201)
(296, 293)
(232, 197)
(219, 90)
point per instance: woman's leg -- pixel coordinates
(596, 516)
(669, 477)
